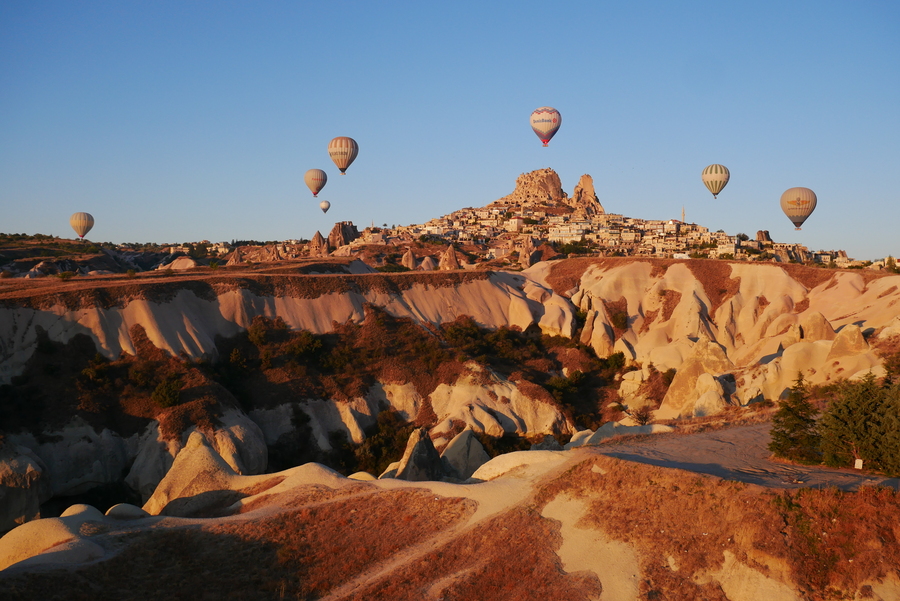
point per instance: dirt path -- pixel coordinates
(739, 453)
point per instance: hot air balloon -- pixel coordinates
(324, 205)
(315, 180)
(545, 122)
(715, 177)
(81, 223)
(798, 204)
(342, 151)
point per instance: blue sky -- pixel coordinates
(179, 121)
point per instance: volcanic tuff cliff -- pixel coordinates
(735, 333)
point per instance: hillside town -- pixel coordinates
(537, 221)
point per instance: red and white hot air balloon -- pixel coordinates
(545, 122)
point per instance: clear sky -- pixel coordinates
(181, 121)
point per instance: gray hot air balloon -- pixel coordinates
(715, 177)
(324, 205)
(343, 151)
(315, 180)
(798, 204)
(81, 223)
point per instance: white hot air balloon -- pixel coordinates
(315, 180)
(343, 151)
(798, 204)
(545, 122)
(81, 223)
(715, 177)
(324, 205)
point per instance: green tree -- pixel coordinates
(168, 392)
(794, 434)
(863, 422)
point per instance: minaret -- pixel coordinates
(682, 213)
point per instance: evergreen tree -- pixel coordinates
(863, 422)
(794, 433)
(889, 449)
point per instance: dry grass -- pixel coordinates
(888, 292)
(810, 277)
(409, 544)
(672, 299)
(812, 534)
(715, 277)
(509, 557)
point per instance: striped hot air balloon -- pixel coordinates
(798, 204)
(342, 151)
(81, 223)
(315, 180)
(545, 122)
(715, 177)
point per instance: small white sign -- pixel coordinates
(858, 464)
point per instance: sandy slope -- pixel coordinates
(578, 523)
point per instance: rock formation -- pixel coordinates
(584, 200)
(409, 260)
(449, 260)
(463, 456)
(181, 263)
(420, 461)
(197, 469)
(537, 187)
(527, 255)
(427, 264)
(343, 233)
(318, 247)
(236, 257)
(24, 485)
(763, 236)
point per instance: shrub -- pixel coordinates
(619, 320)
(168, 392)
(643, 415)
(304, 345)
(66, 275)
(391, 268)
(131, 273)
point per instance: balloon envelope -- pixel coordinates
(715, 177)
(315, 180)
(81, 223)
(342, 151)
(324, 205)
(798, 204)
(545, 122)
